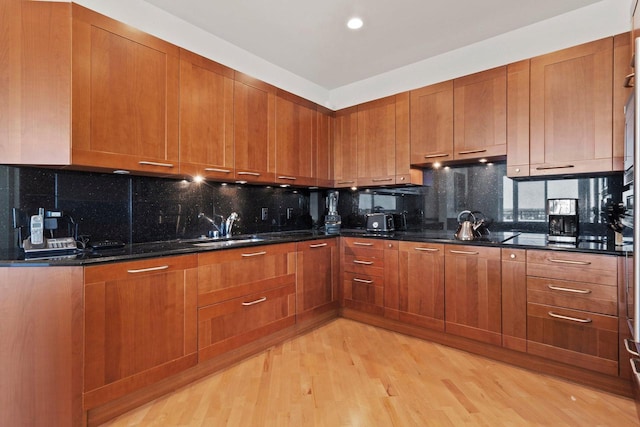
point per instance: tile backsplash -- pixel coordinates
(137, 209)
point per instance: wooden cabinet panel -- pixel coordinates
(206, 118)
(578, 338)
(432, 123)
(324, 148)
(41, 353)
(582, 267)
(137, 129)
(254, 109)
(572, 294)
(345, 173)
(244, 294)
(518, 119)
(405, 174)
(420, 298)
(473, 292)
(571, 110)
(480, 114)
(295, 140)
(514, 299)
(621, 90)
(376, 148)
(317, 277)
(140, 325)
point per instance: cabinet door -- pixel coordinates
(376, 148)
(345, 173)
(480, 115)
(206, 118)
(571, 110)
(140, 325)
(41, 355)
(472, 293)
(514, 299)
(405, 174)
(421, 284)
(432, 124)
(622, 88)
(317, 277)
(324, 148)
(254, 130)
(295, 135)
(518, 119)
(125, 97)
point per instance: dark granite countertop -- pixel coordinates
(510, 239)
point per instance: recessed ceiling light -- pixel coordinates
(355, 23)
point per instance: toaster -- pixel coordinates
(380, 222)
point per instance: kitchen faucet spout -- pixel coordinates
(229, 223)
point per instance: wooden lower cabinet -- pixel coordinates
(369, 269)
(41, 350)
(140, 324)
(572, 309)
(514, 299)
(419, 299)
(244, 294)
(473, 292)
(317, 277)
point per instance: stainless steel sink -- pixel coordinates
(227, 243)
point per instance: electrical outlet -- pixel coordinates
(289, 213)
(265, 213)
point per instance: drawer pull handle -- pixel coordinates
(146, 270)
(628, 78)
(362, 244)
(248, 173)
(164, 165)
(382, 179)
(217, 170)
(544, 168)
(568, 261)
(346, 182)
(290, 178)
(472, 151)
(573, 319)
(634, 368)
(318, 245)
(254, 254)
(258, 301)
(465, 252)
(433, 156)
(368, 282)
(628, 347)
(355, 261)
(427, 249)
(575, 291)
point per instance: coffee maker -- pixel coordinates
(332, 221)
(563, 220)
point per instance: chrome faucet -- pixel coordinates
(229, 223)
(217, 230)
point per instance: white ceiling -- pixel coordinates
(310, 38)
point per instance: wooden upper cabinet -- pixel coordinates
(621, 90)
(518, 119)
(571, 110)
(432, 123)
(376, 148)
(324, 147)
(206, 118)
(254, 130)
(125, 97)
(295, 140)
(405, 174)
(345, 173)
(480, 115)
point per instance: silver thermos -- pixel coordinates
(332, 220)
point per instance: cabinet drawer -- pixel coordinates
(352, 242)
(420, 247)
(577, 295)
(475, 251)
(578, 338)
(233, 323)
(133, 269)
(364, 288)
(580, 267)
(364, 265)
(514, 255)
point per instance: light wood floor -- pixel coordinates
(350, 374)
